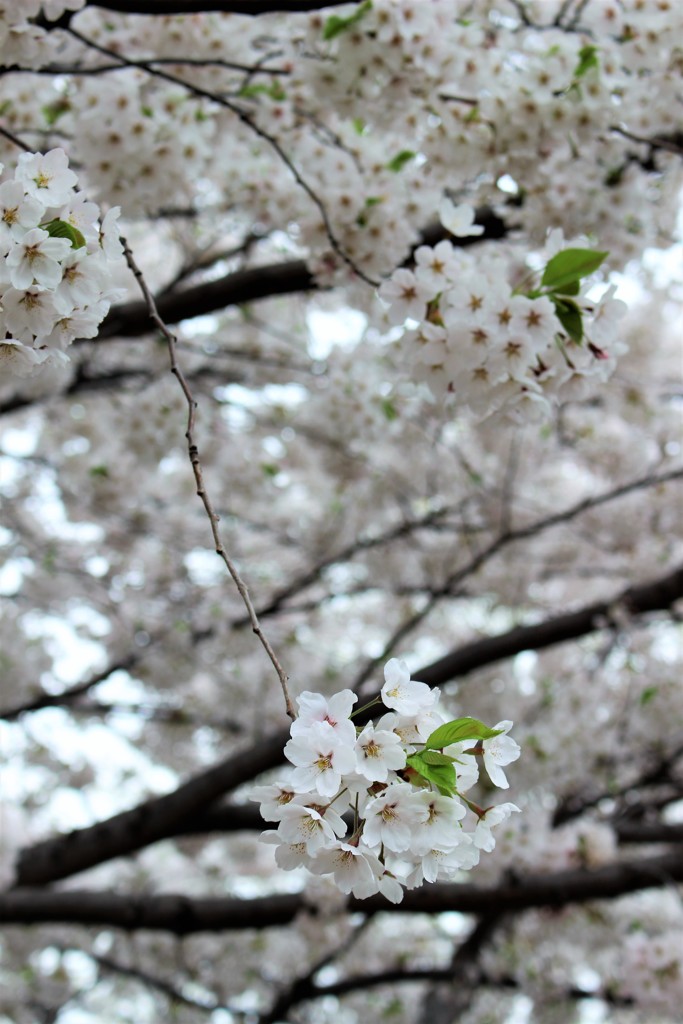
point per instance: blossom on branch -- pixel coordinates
(400, 787)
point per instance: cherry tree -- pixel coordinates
(340, 463)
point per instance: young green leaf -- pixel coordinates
(569, 315)
(335, 24)
(570, 289)
(440, 775)
(400, 160)
(435, 757)
(569, 266)
(53, 111)
(458, 730)
(62, 229)
(274, 91)
(389, 409)
(588, 58)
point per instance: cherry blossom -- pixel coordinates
(321, 757)
(483, 837)
(36, 259)
(378, 751)
(499, 751)
(46, 177)
(403, 694)
(458, 220)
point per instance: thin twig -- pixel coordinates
(15, 140)
(655, 141)
(193, 453)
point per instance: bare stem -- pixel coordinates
(195, 461)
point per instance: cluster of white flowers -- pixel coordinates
(496, 345)
(22, 41)
(54, 251)
(401, 783)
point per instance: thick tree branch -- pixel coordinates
(53, 700)
(444, 1003)
(255, 283)
(248, 7)
(639, 600)
(182, 915)
(161, 817)
(235, 289)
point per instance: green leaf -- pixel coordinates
(400, 160)
(440, 775)
(569, 315)
(359, 126)
(389, 409)
(98, 471)
(588, 58)
(53, 111)
(571, 265)
(62, 229)
(335, 24)
(269, 469)
(435, 757)
(274, 91)
(647, 695)
(458, 730)
(570, 289)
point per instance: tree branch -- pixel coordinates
(639, 600)
(248, 7)
(164, 816)
(235, 289)
(195, 461)
(244, 286)
(183, 915)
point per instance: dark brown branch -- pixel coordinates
(53, 700)
(644, 832)
(302, 988)
(248, 7)
(161, 817)
(671, 144)
(105, 963)
(445, 1003)
(638, 600)
(182, 915)
(235, 289)
(656, 774)
(255, 283)
(150, 821)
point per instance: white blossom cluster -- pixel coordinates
(22, 41)
(54, 251)
(403, 782)
(496, 344)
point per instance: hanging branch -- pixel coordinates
(193, 453)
